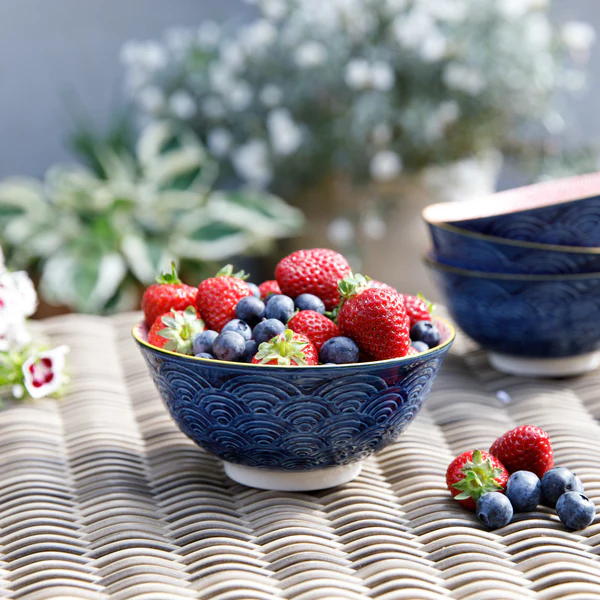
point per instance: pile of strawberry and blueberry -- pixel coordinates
(316, 311)
(515, 476)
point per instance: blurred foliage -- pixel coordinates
(96, 235)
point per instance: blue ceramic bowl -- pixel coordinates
(564, 212)
(292, 421)
(467, 250)
(526, 316)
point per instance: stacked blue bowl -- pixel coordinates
(520, 274)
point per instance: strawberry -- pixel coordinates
(218, 296)
(473, 474)
(525, 448)
(175, 330)
(381, 286)
(417, 308)
(287, 349)
(168, 292)
(315, 326)
(412, 352)
(268, 287)
(315, 271)
(374, 318)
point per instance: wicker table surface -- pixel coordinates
(103, 497)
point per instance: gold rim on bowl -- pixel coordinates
(390, 361)
(437, 266)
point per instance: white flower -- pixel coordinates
(251, 162)
(271, 95)
(516, 9)
(240, 96)
(285, 135)
(410, 30)
(135, 80)
(340, 232)
(219, 142)
(382, 76)
(385, 166)
(433, 47)
(26, 294)
(18, 391)
(213, 108)
(358, 74)
(152, 100)
(179, 40)
(446, 114)
(394, 6)
(578, 36)
(148, 56)
(310, 54)
(537, 31)
(258, 36)
(381, 134)
(43, 372)
(221, 79)
(232, 56)
(208, 34)
(182, 105)
(554, 123)
(273, 9)
(463, 78)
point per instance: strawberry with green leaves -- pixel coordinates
(176, 330)
(218, 296)
(375, 318)
(168, 292)
(473, 474)
(288, 349)
(418, 308)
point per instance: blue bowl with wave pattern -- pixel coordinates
(473, 251)
(292, 428)
(540, 325)
(564, 212)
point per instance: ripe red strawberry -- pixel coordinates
(218, 296)
(374, 318)
(168, 292)
(287, 349)
(473, 474)
(315, 271)
(412, 352)
(175, 330)
(525, 448)
(268, 287)
(417, 308)
(315, 326)
(382, 286)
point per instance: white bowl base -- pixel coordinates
(292, 481)
(545, 367)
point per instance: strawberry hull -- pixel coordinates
(293, 428)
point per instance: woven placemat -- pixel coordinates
(102, 497)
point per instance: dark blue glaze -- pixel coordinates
(294, 418)
(574, 223)
(466, 250)
(524, 315)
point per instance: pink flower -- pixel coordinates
(43, 372)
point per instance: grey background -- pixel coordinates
(53, 50)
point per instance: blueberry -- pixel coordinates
(339, 350)
(270, 297)
(575, 510)
(524, 490)
(254, 289)
(250, 309)
(268, 329)
(420, 346)
(578, 486)
(250, 351)
(310, 302)
(281, 308)
(425, 331)
(203, 341)
(494, 510)
(205, 355)
(240, 327)
(229, 345)
(555, 483)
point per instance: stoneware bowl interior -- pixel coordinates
(464, 249)
(537, 317)
(564, 212)
(292, 428)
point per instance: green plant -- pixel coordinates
(96, 236)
